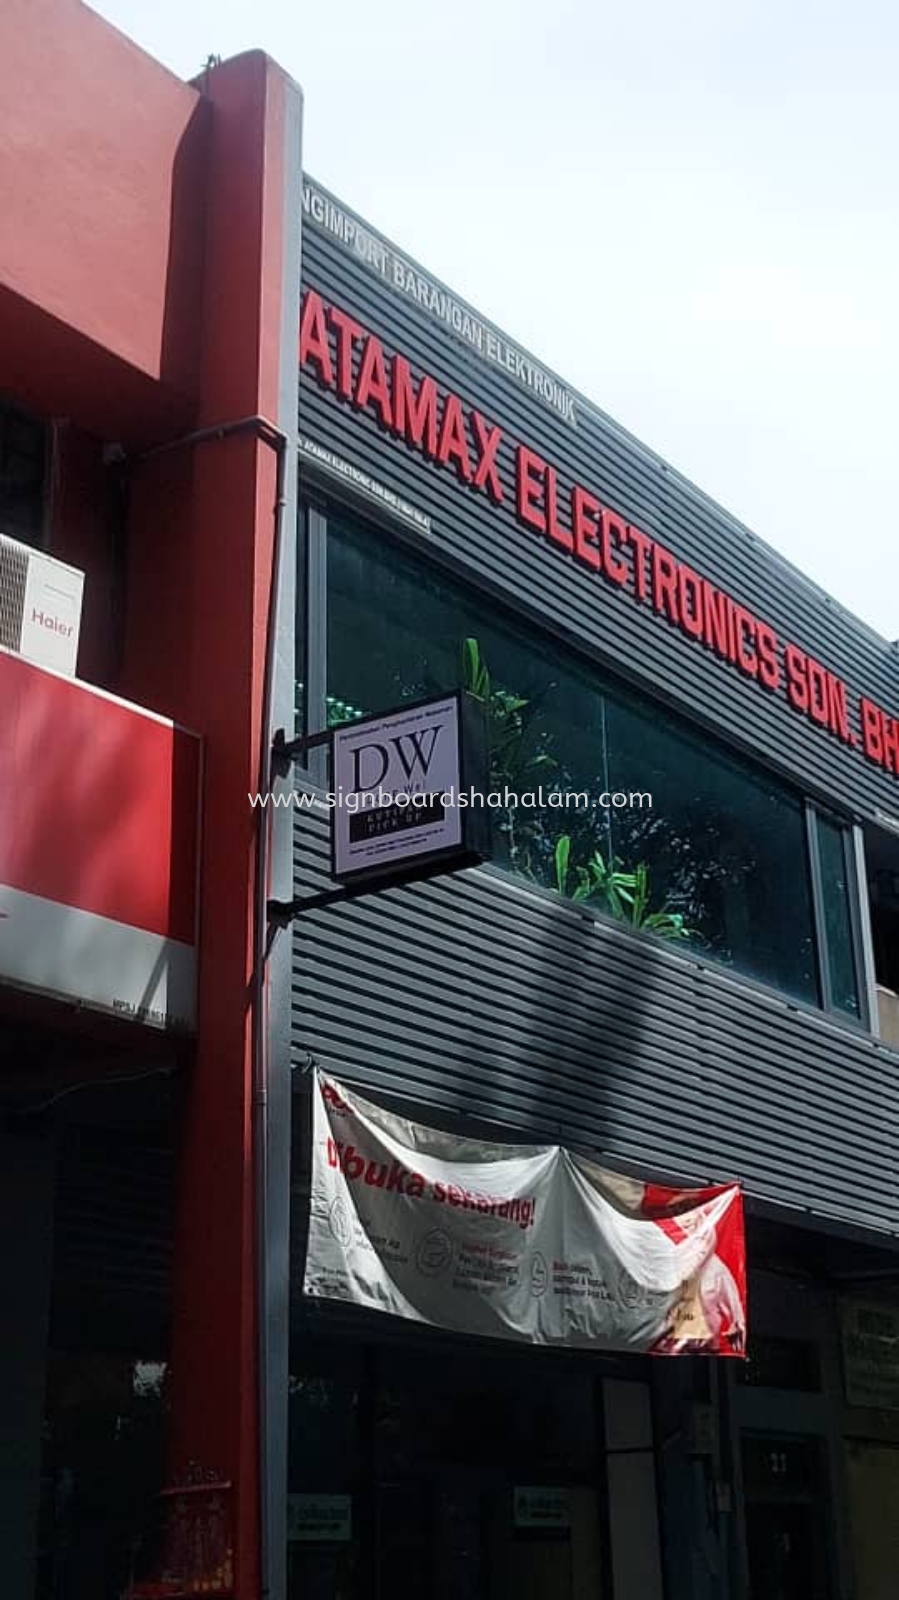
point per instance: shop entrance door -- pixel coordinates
(466, 1544)
(473, 1475)
(874, 1504)
(786, 1518)
(485, 1481)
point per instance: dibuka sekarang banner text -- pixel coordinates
(531, 1243)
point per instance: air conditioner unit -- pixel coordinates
(40, 606)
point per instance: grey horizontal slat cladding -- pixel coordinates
(611, 626)
(473, 996)
(469, 995)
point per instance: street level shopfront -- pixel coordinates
(464, 1470)
(455, 1473)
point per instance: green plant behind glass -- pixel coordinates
(509, 717)
(623, 893)
(518, 756)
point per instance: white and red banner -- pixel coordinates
(531, 1243)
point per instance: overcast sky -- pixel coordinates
(689, 210)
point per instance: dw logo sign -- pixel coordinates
(403, 758)
(393, 776)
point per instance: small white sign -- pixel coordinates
(51, 615)
(319, 1518)
(395, 780)
(338, 467)
(542, 1508)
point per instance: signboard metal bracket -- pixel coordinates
(286, 751)
(281, 912)
(408, 728)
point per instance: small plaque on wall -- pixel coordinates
(534, 1509)
(871, 1355)
(319, 1518)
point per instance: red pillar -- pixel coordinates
(202, 533)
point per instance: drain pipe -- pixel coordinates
(260, 1020)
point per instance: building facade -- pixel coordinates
(306, 483)
(460, 503)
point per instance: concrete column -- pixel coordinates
(202, 543)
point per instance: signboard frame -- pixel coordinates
(469, 771)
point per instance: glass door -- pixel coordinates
(462, 1476)
(787, 1515)
(486, 1480)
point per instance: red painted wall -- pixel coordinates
(130, 783)
(92, 138)
(101, 173)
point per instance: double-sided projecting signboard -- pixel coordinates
(402, 787)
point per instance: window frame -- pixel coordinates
(815, 813)
(315, 503)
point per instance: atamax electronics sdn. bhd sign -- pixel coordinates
(422, 414)
(398, 783)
